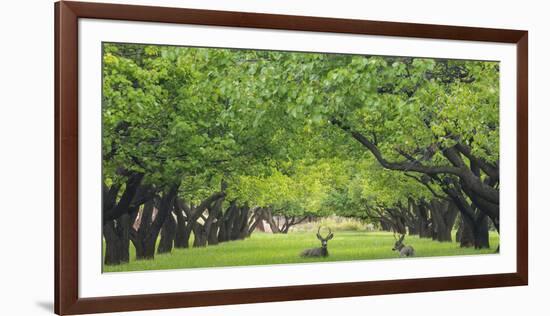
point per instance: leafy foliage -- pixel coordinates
(273, 125)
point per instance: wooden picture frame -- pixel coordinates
(67, 15)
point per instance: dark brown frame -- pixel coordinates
(66, 157)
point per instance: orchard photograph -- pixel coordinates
(215, 157)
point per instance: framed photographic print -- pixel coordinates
(211, 157)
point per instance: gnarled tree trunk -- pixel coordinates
(145, 237)
(465, 233)
(481, 232)
(112, 244)
(268, 216)
(167, 235)
(443, 216)
(201, 237)
(423, 220)
(213, 234)
(117, 240)
(183, 229)
(482, 191)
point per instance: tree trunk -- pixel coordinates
(255, 221)
(465, 233)
(396, 219)
(285, 229)
(474, 233)
(423, 222)
(146, 236)
(210, 225)
(443, 215)
(143, 248)
(243, 232)
(213, 234)
(481, 232)
(184, 225)
(412, 230)
(409, 213)
(116, 219)
(226, 222)
(201, 237)
(112, 244)
(167, 235)
(239, 230)
(124, 233)
(233, 224)
(113, 210)
(146, 250)
(181, 238)
(258, 223)
(222, 231)
(386, 226)
(117, 240)
(268, 216)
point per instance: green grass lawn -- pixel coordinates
(264, 248)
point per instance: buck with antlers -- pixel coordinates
(399, 246)
(322, 251)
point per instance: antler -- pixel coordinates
(329, 235)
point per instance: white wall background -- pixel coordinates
(26, 158)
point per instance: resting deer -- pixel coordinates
(404, 251)
(319, 252)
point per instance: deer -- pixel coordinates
(404, 251)
(322, 251)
